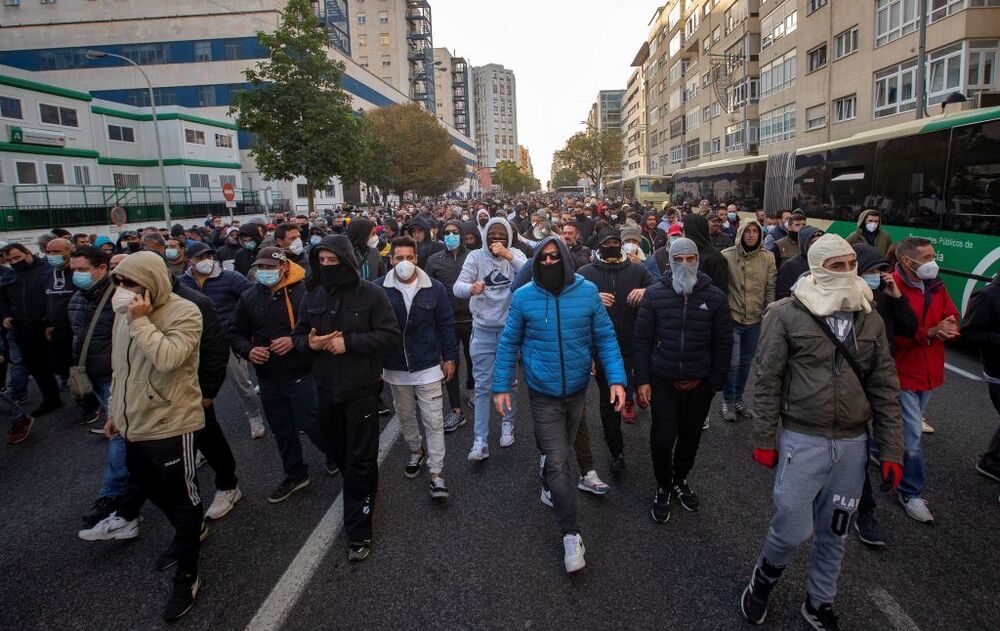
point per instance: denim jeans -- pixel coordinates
(484, 350)
(10, 410)
(290, 406)
(914, 477)
(102, 390)
(18, 372)
(116, 475)
(745, 337)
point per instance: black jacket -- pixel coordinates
(444, 267)
(22, 294)
(261, 316)
(581, 255)
(981, 325)
(896, 313)
(213, 353)
(710, 260)
(244, 259)
(619, 279)
(371, 262)
(679, 338)
(362, 313)
(81, 309)
(427, 247)
(59, 289)
(796, 266)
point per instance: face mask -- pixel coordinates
(871, 226)
(231, 242)
(630, 248)
(683, 277)
(874, 281)
(132, 247)
(315, 239)
(336, 276)
(794, 236)
(614, 217)
(492, 241)
(205, 267)
(122, 298)
(483, 221)
(83, 280)
(551, 277)
(296, 247)
(172, 254)
(927, 271)
(250, 245)
(373, 241)
(405, 270)
(610, 252)
(56, 260)
(268, 277)
(452, 241)
(465, 217)
(732, 216)
(20, 266)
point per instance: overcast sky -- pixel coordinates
(561, 51)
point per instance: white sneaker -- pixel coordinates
(223, 502)
(706, 424)
(925, 427)
(257, 429)
(573, 558)
(506, 434)
(916, 508)
(111, 527)
(546, 497)
(541, 466)
(592, 484)
(480, 451)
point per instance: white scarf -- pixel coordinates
(824, 292)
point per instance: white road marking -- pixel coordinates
(892, 610)
(964, 373)
(275, 609)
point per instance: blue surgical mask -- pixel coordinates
(452, 241)
(732, 216)
(83, 280)
(250, 245)
(315, 239)
(874, 281)
(268, 277)
(56, 260)
(172, 253)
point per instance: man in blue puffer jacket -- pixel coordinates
(557, 323)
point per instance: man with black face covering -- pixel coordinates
(796, 266)
(710, 260)
(788, 247)
(346, 324)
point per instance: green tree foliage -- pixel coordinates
(302, 117)
(511, 179)
(565, 177)
(593, 154)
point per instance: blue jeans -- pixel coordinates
(116, 475)
(10, 409)
(18, 372)
(290, 406)
(102, 390)
(914, 477)
(745, 338)
(483, 351)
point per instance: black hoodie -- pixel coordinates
(620, 279)
(710, 260)
(244, 258)
(796, 266)
(427, 247)
(371, 262)
(362, 313)
(446, 265)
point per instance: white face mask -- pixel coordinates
(296, 246)
(205, 266)
(871, 226)
(122, 299)
(928, 270)
(405, 270)
(373, 241)
(630, 248)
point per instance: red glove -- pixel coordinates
(766, 457)
(892, 473)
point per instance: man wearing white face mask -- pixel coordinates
(224, 288)
(425, 356)
(361, 232)
(870, 231)
(288, 237)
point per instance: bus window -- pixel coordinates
(846, 194)
(974, 179)
(910, 179)
(810, 183)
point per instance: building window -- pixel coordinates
(816, 117)
(383, 39)
(778, 75)
(676, 154)
(120, 133)
(54, 115)
(944, 73)
(81, 174)
(54, 173)
(706, 44)
(194, 136)
(778, 23)
(716, 35)
(981, 68)
(778, 124)
(845, 43)
(943, 8)
(146, 54)
(199, 180)
(125, 180)
(10, 108)
(383, 17)
(894, 89)
(363, 61)
(386, 62)
(362, 39)
(894, 18)
(302, 190)
(812, 5)
(224, 140)
(206, 95)
(27, 172)
(745, 91)
(234, 50)
(203, 51)
(227, 179)
(845, 109)
(362, 18)
(817, 58)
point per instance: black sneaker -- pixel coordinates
(661, 507)
(618, 464)
(182, 599)
(383, 409)
(204, 531)
(821, 618)
(103, 506)
(46, 408)
(166, 560)
(453, 421)
(87, 418)
(868, 530)
(990, 472)
(742, 410)
(439, 490)
(686, 496)
(413, 464)
(357, 552)
(22, 400)
(332, 468)
(286, 488)
(753, 602)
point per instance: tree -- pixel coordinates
(565, 177)
(593, 154)
(302, 117)
(418, 152)
(511, 179)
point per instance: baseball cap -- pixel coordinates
(270, 254)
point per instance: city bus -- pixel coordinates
(937, 178)
(641, 188)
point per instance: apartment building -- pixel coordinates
(524, 161)
(451, 89)
(633, 125)
(605, 113)
(495, 114)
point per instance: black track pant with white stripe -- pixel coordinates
(164, 471)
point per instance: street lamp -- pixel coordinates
(100, 54)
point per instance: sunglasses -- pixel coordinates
(126, 283)
(550, 256)
(452, 232)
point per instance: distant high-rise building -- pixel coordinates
(633, 125)
(451, 89)
(524, 161)
(605, 113)
(495, 114)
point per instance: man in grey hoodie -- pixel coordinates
(486, 279)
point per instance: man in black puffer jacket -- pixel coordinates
(710, 260)
(683, 341)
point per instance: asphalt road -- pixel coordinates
(491, 556)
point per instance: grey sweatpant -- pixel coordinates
(556, 424)
(816, 491)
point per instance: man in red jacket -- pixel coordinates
(920, 359)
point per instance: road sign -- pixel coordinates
(230, 203)
(229, 192)
(119, 216)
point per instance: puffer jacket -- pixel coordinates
(709, 259)
(679, 337)
(880, 239)
(557, 336)
(428, 327)
(22, 294)
(444, 267)
(919, 359)
(804, 383)
(154, 384)
(751, 278)
(222, 287)
(619, 279)
(82, 307)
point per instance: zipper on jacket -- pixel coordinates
(684, 313)
(562, 365)
(406, 320)
(128, 367)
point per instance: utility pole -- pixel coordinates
(922, 60)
